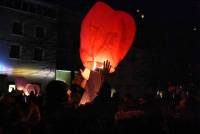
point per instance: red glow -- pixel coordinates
(23, 85)
(106, 34)
(32, 87)
(92, 87)
(20, 83)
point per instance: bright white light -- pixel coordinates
(11, 88)
(4, 69)
(161, 95)
(113, 91)
(138, 10)
(142, 16)
(20, 88)
(158, 92)
(26, 93)
(31, 72)
(97, 66)
(1, 67)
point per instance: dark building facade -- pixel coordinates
(28, 39)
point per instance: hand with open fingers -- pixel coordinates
(106, 68)
(85, 73)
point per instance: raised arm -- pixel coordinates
(106, 69)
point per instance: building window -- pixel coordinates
(39, 32)
(64, 75)
(11, 87)
(38, 54)
(32, 8)
(9, 3)
(25, 6)
(40, 10)
(2, 2)
(17, 4)
(51, 13)
(17, 28)
(15, 51)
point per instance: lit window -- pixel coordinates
(63, 75)
(11, 88)
(17, 28)
(38, 54)
(15, 51)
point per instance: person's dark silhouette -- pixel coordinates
(58, 115)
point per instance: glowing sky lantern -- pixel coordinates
(106, 34)
(32, 87)
(20, 83)
(23, 85)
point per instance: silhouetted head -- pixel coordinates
(32, 93)
(105, 90)
(77, 93)
(8, 99)
(56, 91)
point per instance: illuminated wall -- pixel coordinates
(25, 65)
(63, 75)
(34, 72)
(21, 67)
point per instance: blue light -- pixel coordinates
(5, 67)
(2, 67)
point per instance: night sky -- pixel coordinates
(160, 16)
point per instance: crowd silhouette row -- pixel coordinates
(174, 112)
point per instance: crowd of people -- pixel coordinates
(172, 112)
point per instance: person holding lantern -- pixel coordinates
(90, 82)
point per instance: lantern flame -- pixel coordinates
(94, 66)
(20, 88)
(97, 65)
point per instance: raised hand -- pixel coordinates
(81, 79)
(85, 74)
(106, 68)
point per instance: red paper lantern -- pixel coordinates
(20, 83)
(106, 34)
